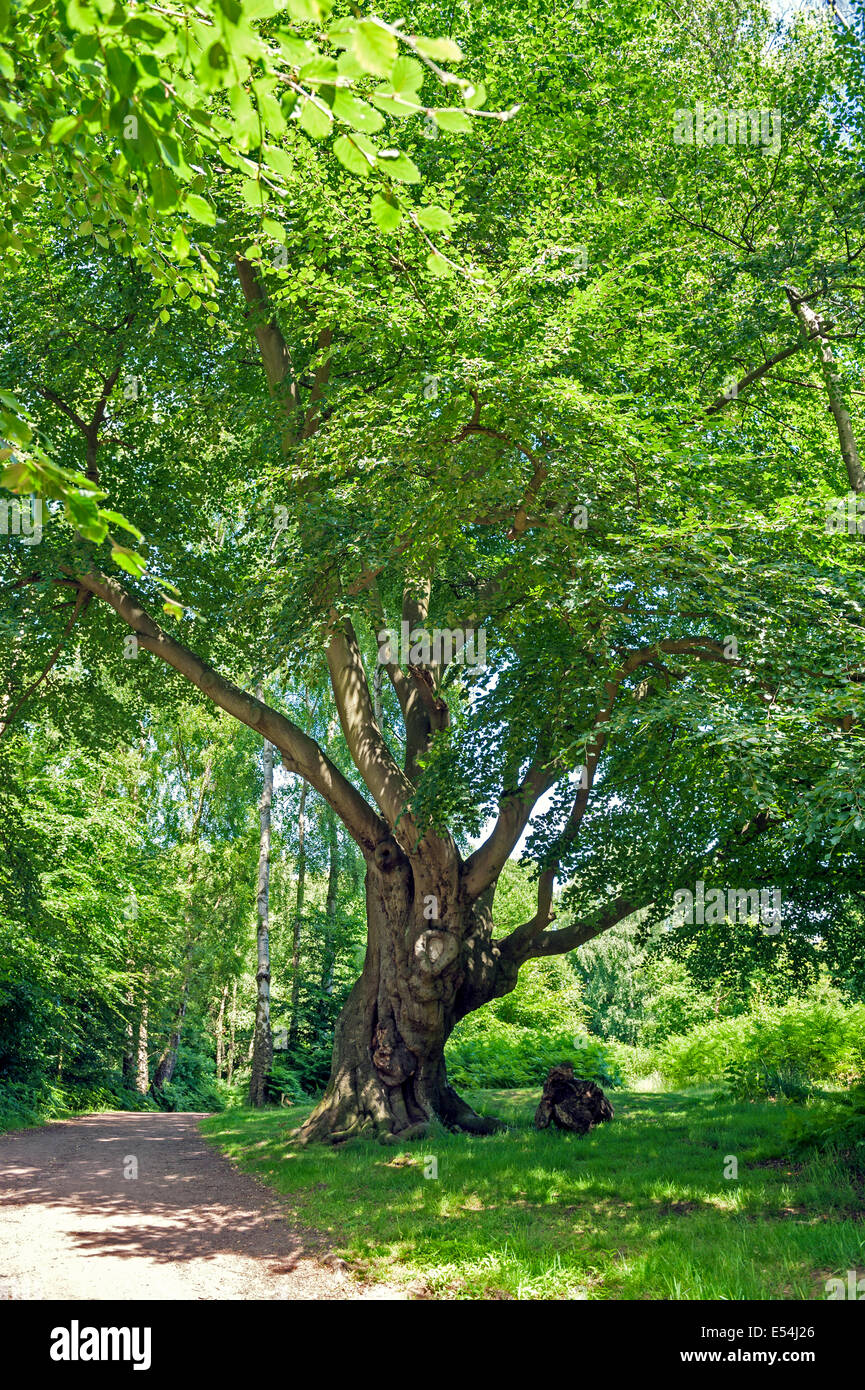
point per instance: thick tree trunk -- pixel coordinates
(262, 1051)
(429, 961)
(135, 1063)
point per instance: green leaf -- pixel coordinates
(180, 244)
(216, 57)
(278, 160)
(356, 113)
(320, 70)
(121, 70)
(440, 50)
(81, 17)
(116, 519)
(435, 219)
(297, 51)
(84, 515)
(165, 191)
(271, 112)
(307, 11)
(200, 210)
(437, 265)
(475, 96)
(449, 118)
(272, 228)
(407, 76)
(128, 560)
(351, 156)
(315, 121)
(386, 213)
(63, 126)
(254, 193)
(374, 48)
(262, 9)
(17, 477)
(399, 166)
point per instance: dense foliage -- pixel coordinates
(319, 325)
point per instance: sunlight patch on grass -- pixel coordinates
(639, 1208)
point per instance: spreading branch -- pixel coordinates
(300, 753)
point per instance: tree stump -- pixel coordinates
(571, 1102)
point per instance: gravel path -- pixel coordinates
(190, 1226)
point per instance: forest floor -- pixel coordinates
(645, 1207)
(75, 1223)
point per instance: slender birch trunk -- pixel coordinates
(262, 1050)
(298, 918)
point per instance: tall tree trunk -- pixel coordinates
(812, 325)
(168, 1060)
(220, 1034)
(329, 960)
(429, 961)
(262, 1051)
(142, 1069)
(128, 1064)
(232, 1029)
(298, 918)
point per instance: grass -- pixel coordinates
(638, 1209)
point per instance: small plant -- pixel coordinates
(835, 1124)
(758, 1080)
(284, 1085)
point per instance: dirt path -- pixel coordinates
(188, 1227)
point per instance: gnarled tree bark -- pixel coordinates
(430, 960)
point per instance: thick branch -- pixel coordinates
(554, 943)
(273, 348)
(372, 757)
(484, 866)
(299, 752)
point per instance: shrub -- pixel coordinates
(819, 1036)
(834, 1124)
(508, 1058)
(632, 1062)
(28, 1103)
(284, 1081)
(756, 1080)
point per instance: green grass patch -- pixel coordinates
(639, 1208)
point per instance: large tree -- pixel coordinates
(577, 450)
